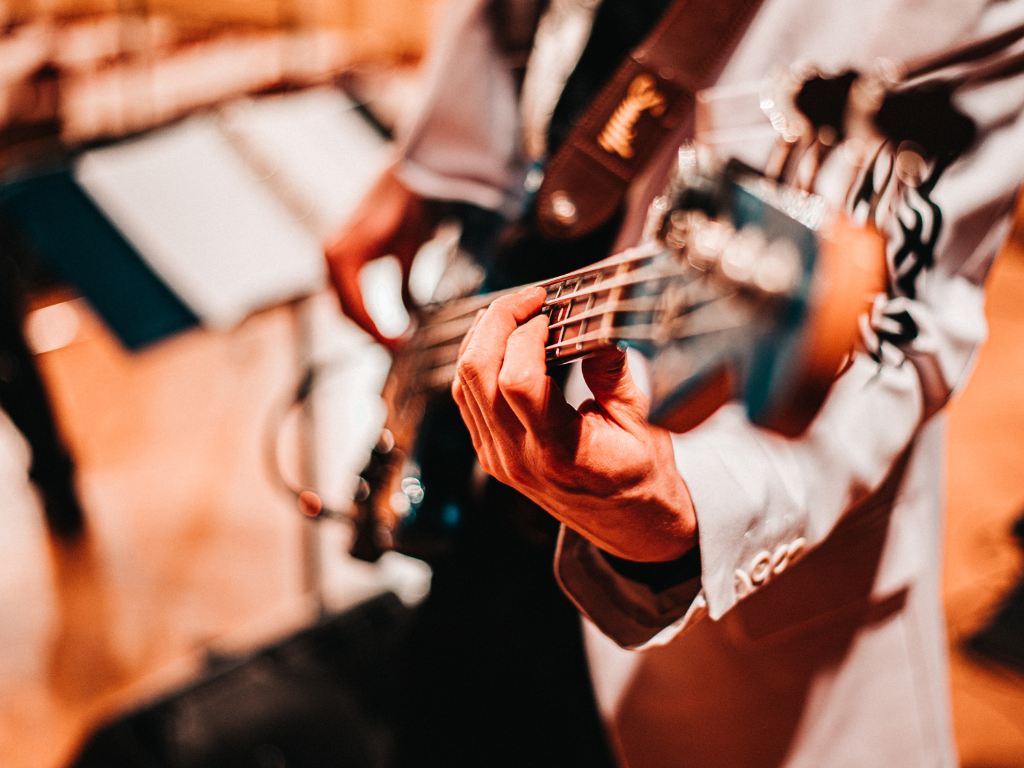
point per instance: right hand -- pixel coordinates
(392, 220)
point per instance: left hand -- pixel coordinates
(603, 470)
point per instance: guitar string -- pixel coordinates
(441, 377)
(456, 330)
(471, 304)
(635, 304)
(439, 367)
(460, 320)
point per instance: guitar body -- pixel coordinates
(751, 293)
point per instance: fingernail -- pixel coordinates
(532, 289)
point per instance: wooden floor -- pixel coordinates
(191, 543)
(986, 496)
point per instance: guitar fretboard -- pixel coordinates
(588, 310)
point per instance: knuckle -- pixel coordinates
(517, 473)
(512, 379)
(468, 369)
(492, 468)
(505, 303)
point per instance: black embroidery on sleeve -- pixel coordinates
(917, 252)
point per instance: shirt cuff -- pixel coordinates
(659, 577)
(630, 612)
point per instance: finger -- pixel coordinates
(345, 277)
(484, 350)
(470, 410)
(373, 230)
(489, 438)
(414, 232)
(608, 377)
(459, 394)
(467, 416)
(469, 335)
(524, 383)
(501, 433)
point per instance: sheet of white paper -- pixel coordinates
(229, 236)
(196, 213)
(323, 154)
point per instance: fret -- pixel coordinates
(587, 309)
(631, 274)
(638, 304)
(614, 297)
(469, 306)
(571, 318)
(562, 313)
(639, 332)
(647, 274)
(645, 331)
(573, 303)
(440, 327)
(438, 367)
(577, 351)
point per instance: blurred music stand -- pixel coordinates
(23, 396)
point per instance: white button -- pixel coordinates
(780, 558)
(761, 567)
(743, 583)
(796, 548)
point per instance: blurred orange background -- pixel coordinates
(191, 545)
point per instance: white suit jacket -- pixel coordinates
(815, 634)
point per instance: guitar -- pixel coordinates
(749, 290)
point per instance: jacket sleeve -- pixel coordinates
(462, 142)
(761, 500)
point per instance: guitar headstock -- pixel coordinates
(765, 306)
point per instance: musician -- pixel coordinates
(782, 595)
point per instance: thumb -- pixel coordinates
(344, 265)
(379, 221)
(412, 234)
(607, 374)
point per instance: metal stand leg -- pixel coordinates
(24, 399)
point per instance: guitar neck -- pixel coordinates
(588, 310)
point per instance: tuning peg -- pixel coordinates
(741, 254)
(808, 108)
(925, 115)
(706, 243)
(822, 99)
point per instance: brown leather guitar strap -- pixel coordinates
(650, 94)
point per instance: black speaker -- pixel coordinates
(323, 697)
